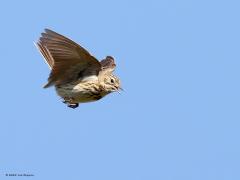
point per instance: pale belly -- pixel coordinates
(81, 92)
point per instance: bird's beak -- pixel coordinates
(118, 90)
(121, 89)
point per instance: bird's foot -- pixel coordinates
(69, 102)
(75, 105)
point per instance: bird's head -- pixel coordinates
(111, 83)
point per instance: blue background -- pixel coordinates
(178, 118)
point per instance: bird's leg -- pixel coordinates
(69, 102)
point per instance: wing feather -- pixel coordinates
(66, 58)
(108, 64)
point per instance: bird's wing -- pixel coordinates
(46, 54)
(68, 60)
(107, 67)
(108, 64)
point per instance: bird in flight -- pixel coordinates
(78, 77)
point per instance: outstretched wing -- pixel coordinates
(68, 60)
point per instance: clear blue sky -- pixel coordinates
(178, 119)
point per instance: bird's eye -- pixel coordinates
(112, 80)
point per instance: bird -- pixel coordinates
(78, 76)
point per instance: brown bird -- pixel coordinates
(78, 77)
